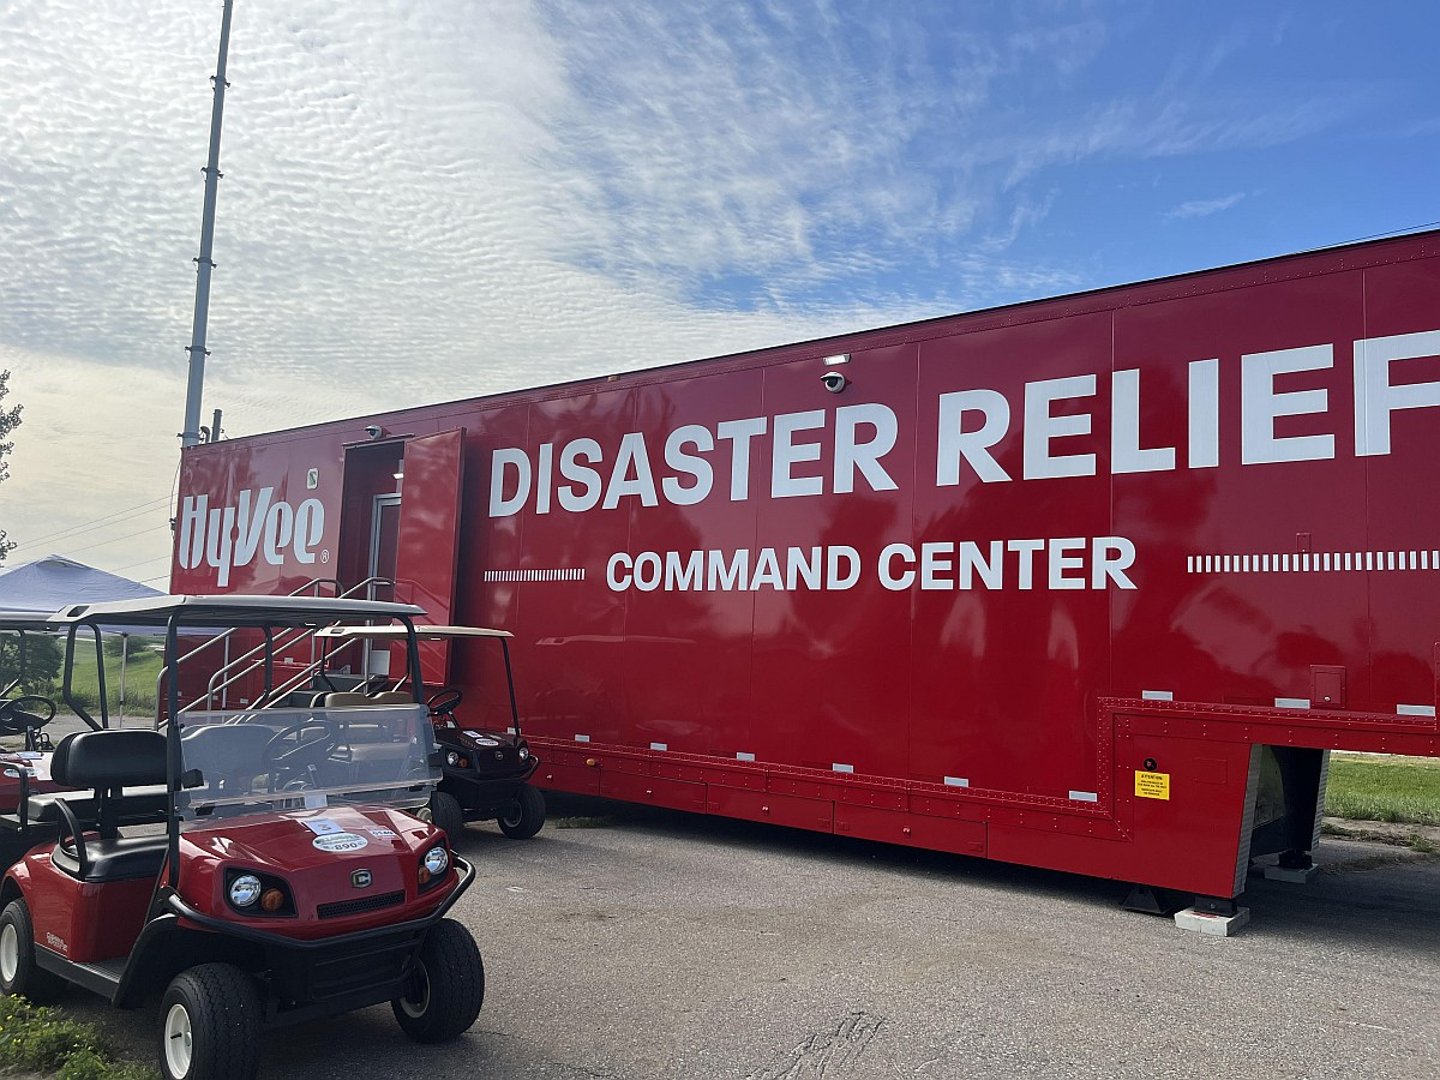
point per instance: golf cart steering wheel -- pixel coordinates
(289, 749)
(443, 702)
(22, 714)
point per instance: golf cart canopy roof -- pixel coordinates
(423, 633)
(30, 621)
(231, 610)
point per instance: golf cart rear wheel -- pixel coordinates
(522, 818)
(19, 974)
(447, 988)
(210, 1021)
(444, 812)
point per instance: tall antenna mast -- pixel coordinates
(204, 264)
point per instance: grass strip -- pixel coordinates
(43, 1040)
(1372, 787)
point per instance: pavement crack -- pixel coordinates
(830, 1052)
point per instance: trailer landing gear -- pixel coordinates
(1148, 900)
(1213, 916)
(1294, 867)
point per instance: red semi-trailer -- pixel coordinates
(1092, 583)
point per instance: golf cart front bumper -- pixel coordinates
(329, 976)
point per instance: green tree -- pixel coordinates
(43, 657)
(9, 421)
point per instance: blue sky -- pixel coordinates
(429, 200)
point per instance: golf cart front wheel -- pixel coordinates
(523, 817)
(210, 1020)
(19, 974)
(446, 989)
(443, 811)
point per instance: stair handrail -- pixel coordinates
(217, 684)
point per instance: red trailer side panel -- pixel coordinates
(1090, 583)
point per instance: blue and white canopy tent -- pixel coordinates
(44, 586)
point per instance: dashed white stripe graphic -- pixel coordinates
(1310, 562)
(577, 574)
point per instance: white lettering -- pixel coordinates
(501, 462)
(688, 465)
(1204, 414)
(740, 432)
(787, 453)
(588, 478)
(1126, 455)
(1376, 398)
(632, 455)
(974, 446)
(852, 455)
(1041, 426)
(1260, 405)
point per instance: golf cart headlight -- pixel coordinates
(452, 759)
(245, 890)
(524, 753)
(437, 859)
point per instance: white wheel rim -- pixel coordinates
(178, 1037)
(9, 953)
(414, 1008)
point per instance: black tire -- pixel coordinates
(445, 813)
(19, 974)
(447, 988)
(219, 1010)
(522, 818)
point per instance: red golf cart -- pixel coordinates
(290, 878)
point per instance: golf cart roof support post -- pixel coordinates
(510, 682)
(75, 706)
(172, 748)
(412, 658)
(100, 677)
(269, 632)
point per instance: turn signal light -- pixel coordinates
(272, 900)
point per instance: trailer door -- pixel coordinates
(427, 546)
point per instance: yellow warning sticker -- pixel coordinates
(1152, 785)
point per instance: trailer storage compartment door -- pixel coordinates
(428, 545)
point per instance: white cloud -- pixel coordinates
(1205, 207)
(432, 200)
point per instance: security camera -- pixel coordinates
(834, 381)
(374, 431)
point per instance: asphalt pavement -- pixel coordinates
(652, 944)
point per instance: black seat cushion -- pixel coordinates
(137, 806)
(111, 757)
(113, 860)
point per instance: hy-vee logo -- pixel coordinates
(227, 537)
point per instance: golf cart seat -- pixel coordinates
(391, 697)
(345, 699)
(227, 755)
(107, 762)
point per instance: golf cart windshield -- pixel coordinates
(259, 761)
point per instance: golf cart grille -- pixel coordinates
(359, 907)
